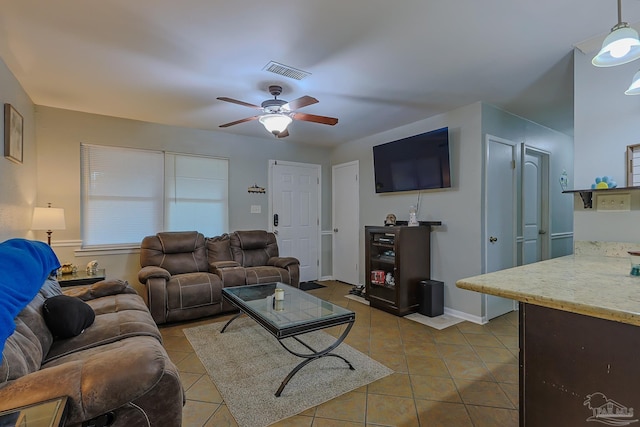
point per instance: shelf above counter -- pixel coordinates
(587, 194)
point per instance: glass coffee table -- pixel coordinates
(297, 313)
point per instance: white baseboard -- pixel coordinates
(466, 316)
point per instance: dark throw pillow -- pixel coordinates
(67, 316)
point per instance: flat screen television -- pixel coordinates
(419, 162)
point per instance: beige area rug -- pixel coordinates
(247, 365)
(439, 322)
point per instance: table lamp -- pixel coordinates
(48, 219)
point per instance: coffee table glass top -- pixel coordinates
(299, 311)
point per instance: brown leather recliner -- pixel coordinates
(176, 274)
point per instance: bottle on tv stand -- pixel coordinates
(413, 220)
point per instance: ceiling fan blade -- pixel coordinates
(248, 119)
(283, 133)
(316, 119)
(303, 101)
(235, 101)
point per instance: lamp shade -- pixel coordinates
(275, 123)
(620, 47)
(48, 219)
(634, 88)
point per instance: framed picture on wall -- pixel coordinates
(13, 126)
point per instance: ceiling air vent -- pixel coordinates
(285, 70)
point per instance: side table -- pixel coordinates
(80, 278)
(50, 413)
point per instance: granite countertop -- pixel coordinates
(596, 286)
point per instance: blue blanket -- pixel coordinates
(24, 266)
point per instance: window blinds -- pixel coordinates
(128, 194)
(196, 196)
(122, 195)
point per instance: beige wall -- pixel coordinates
(456, 245)
(18, 180)
(59, 135)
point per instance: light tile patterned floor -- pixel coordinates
(463, 376)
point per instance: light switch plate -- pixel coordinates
(256, 208)
(616, 202)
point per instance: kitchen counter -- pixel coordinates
(597, 286)
(579, 335)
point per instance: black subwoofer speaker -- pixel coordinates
(431, 294)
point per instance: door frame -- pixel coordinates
(318, 167)
(355, 163)
(545, 217)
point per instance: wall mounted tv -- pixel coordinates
(419, 162)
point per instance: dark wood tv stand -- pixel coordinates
(402, 252)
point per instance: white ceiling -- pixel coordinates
(375, 64)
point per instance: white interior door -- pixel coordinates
(500, 216)
(535, 212)
(295, 202)
(346, 222)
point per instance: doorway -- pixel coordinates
(294, 212)
(346, 222)
(500, 195)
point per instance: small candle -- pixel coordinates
(279, 296)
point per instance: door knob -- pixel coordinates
(493, 239)
(335, 230)
(275, 231)
(542, 232)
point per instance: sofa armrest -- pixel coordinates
(155, 279)
(95, 385)
(157, 298)
(100, 289)
(291, 264)
(151, 271)
(283, 262)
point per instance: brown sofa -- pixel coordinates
(115, 370)
(184, 272)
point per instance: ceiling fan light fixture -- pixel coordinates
(634, 88)
(275, 123)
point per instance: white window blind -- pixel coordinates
(128, 194)
(196, 193)
(122, 195)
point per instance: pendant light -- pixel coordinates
(634, 89)
(621, 45)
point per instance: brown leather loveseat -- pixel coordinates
(184, 272)
(249, 258)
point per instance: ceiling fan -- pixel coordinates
(277, 114)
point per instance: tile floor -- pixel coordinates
(463, 376)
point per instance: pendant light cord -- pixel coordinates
(619, 11)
